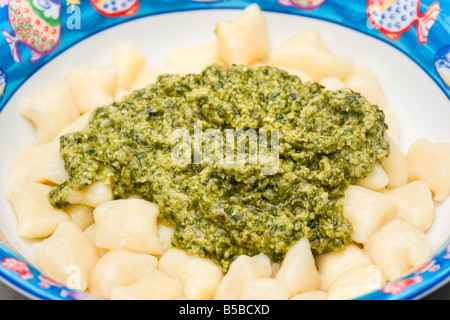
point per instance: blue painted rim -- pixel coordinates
(19, 274)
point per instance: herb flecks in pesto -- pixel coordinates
(327, 140)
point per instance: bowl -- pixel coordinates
(405, 45)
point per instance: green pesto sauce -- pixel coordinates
(327, 140)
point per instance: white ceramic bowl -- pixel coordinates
(413, 87)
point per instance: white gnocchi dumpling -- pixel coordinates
(68, 256)
(243, 267)
(128, 224)
(396, 166)
(90, 232)
(397, 248)
(367, 210)
(81, 215)
(332, 83)
(331, 265)
(308, 52)
(165, 236)
(245, 39)
(120, 93)
(415, 204)
(298, 269)
(92, 196)
(356, 282)
(92, 86)
(264, 289)
(392, 122)
(192, 60)
(50, 109)
(149, 76)
(299, 73)
(155, 286)
(199, 277)
(311, 295)
(36, 218)
(128, 61)
(430, 162)
(37, 163)
(364, 81)
(118, 268)
(77, 125)
(376, 180)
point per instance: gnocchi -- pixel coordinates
(429, 162)
(37, 163)
(367, 210)
(128, 61)
(301, 74)
(356, 282)
(331, 265)
(119, 268)
(92, 86)
(363, 80)
(311, 295)
(298, 269)
(155, 286)
(50, 109)
(332, 83)
(68, 255)
(264, 289)
(376, 180)
(188, 60)
(415, 204)
(93, 196)
(35, 216)
(241, 269)
(148, 75)
(128, 224)
(199, 277)
(77, 125)
(395, 165)
(308, 52)
(397, 248)
(81, 215)
(245, 39)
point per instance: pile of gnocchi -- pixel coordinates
(115, 249)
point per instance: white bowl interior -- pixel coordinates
(422, 108)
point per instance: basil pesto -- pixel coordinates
(327, 140)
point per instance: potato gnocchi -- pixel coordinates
(114, 249)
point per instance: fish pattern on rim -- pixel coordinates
(35, 24)
(394, 17)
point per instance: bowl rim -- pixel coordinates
(30, 282)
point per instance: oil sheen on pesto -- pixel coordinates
(327, 140)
